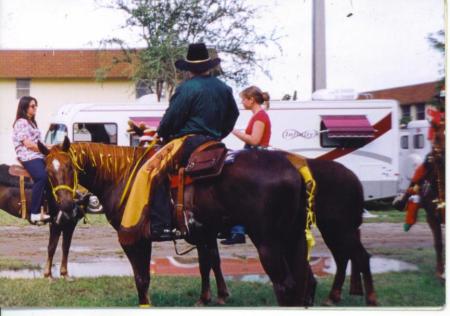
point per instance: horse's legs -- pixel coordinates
(67, 231)
(361, 263)
(139, 255)
(55, 232)
(205, 266)
(222, 290)
(284, 284)
(336, 243)
(305, 283)
(438, 245)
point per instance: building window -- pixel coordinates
(420, 111)
(142, 88)
(22, 87)
(406, 114)
(404, 142)
(419, 141)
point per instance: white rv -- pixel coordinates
(362, 135)
(414, 146)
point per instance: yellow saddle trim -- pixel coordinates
(130, 178)
(310, 216)
(140, 191)
(301, 165)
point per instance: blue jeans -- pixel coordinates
(238, 229)
(36, 168)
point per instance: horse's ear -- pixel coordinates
(66, 144)
(42, 148)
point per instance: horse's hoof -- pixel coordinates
(221, 301)
(50, 279)
(199, 303)
(371, 300)
(328, 302)
(67, 278)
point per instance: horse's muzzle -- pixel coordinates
(64, 217)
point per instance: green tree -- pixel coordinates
(168, 26)
(437, 41)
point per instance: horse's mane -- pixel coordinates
(112, 162)
(9, 180)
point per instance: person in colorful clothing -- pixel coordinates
(410, 200)
(256, 135)
(202, 109)
(25, 137)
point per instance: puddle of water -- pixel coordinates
(377, 265)
(249, 269)
(259, 278)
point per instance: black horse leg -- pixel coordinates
(222, 290)
(438, 245)
(355, 280)
(55, 232)
(67, 231)
(139, 255)
(305, 283)
(205, 265)
(361, 261)
(335, 241)
(284, 284)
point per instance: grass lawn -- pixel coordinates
(401, 289)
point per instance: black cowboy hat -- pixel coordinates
(197, 59)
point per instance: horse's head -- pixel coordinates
(63, 179)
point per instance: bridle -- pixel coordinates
(71, 189)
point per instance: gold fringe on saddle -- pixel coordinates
(300, 163)
(135, 220)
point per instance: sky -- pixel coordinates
(381, 45)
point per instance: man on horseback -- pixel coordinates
(411, 198)
(202, 109)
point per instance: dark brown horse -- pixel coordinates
(339, 207)
(269, 201)
(10, 202)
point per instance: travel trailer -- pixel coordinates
(360, 134)
(414, 146)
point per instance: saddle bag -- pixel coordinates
(206, 164)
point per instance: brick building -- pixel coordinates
(57, 77)
(413, 99)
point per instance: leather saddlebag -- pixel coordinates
(206, 164)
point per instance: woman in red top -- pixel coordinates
(256, 135)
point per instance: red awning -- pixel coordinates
(343, 126)
(150, 122)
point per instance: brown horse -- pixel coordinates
(271, 199)
(339, 214)
(10, 202)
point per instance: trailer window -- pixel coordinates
(105, 133)
(419, 141)
(404, 142)
(56, 134)
(345, 131)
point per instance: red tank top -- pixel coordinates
(264, 118)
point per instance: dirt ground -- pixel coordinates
(93, 244)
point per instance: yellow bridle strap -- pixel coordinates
(73, 189)
(127, 186)
(310, 216)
